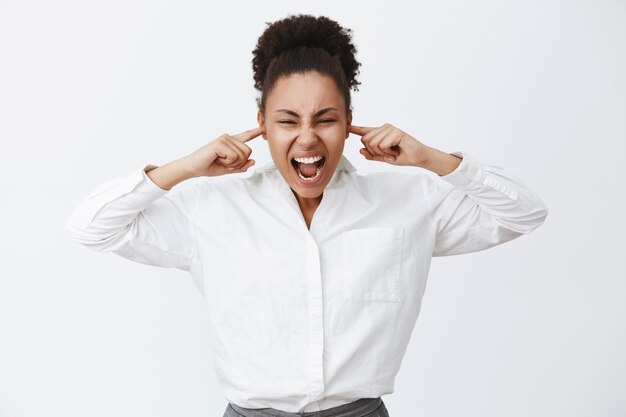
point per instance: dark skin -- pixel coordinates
(391, 145)
(305, 115)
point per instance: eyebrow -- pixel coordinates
(293, 113)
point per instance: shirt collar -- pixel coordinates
(270, 172)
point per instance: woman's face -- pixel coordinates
(305, 116)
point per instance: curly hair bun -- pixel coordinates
(297, 32)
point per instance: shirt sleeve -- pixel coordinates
(133, 217)
(478, 206)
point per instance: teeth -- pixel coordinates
(308, 160)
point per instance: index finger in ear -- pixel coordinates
(249, 134)
(359, 130)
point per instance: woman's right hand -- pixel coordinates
(225, 155)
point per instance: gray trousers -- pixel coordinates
(364, 407)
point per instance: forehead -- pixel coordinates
(304, 93)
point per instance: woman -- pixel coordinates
(313, 274)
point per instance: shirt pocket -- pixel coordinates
(371, 264)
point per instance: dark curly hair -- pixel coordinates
(301, 43)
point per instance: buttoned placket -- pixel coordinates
(313, 281)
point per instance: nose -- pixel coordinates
(307, 137)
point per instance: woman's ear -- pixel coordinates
(349, 122)
(261, 121)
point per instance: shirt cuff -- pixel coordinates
(145, 177)
(469, 173)
(135, 190)
(144, 190)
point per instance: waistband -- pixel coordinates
(358, 408)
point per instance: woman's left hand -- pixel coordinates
(388, 141)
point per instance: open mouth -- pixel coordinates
(309, 172)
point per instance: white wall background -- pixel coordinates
(93, 90)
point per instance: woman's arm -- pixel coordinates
(477, 206)
(441, 163)
(474, 206)
(135, 218)
(147, 216)
(172, 173)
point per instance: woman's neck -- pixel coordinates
(308, 206)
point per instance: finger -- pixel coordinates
(388, 136)
(371, 157)
(365, 153)
(241, 156)
(389, 146)
(243, 147)
(371, 139)
(375, 132)
(237, 166)
(228, 154)
(374, 140)
(242, 168)
(249, 134)
(359, 130)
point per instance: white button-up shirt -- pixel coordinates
(304, 320)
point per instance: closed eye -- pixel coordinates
(321, 121)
